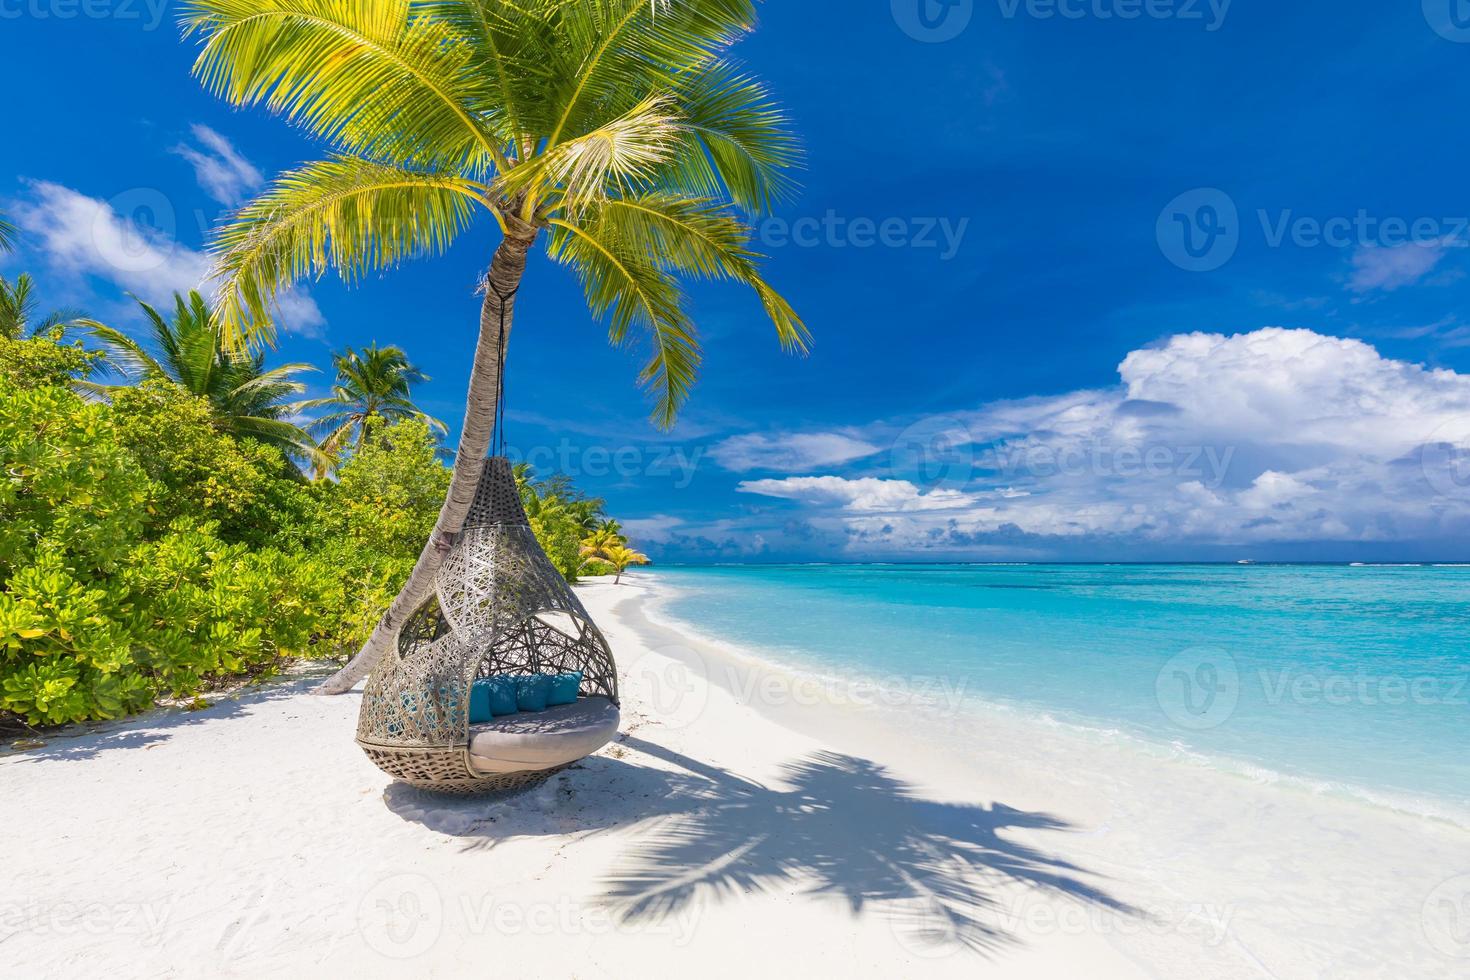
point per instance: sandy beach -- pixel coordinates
(748, 821)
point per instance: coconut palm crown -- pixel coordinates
(374, 382)
(618, 129)
(248, 401)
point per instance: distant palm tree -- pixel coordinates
(18, 311)
(248, 401)
(601, 541)
(619, 130)
(620, 558)
(373, 383)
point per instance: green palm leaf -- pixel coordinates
(343, 214)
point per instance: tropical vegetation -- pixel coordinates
(620, 131)
(372, 383)
(247, 401)
(153, 547)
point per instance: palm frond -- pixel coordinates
(372, 78)
(506, 40)
(274, 384)
(125, 356)
(614, 53)
(628, 289)
(740, 144)
(621, 153)
(344, 214)
(700, 239)
(7, 234)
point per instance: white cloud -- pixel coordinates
(87, 236)
(1379, 267)
(797, 452)
(1271, 436)
(220, 169)
(129, 242)
(867, 494)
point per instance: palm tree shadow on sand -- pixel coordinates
(846, 828)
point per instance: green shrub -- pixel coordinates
(102, 607)
(145, 553)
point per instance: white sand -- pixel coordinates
(716, 838)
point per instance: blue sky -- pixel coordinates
(1089, 279)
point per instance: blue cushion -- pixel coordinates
(564, 688)
(502, 690)
(480, 702)
(532, 691)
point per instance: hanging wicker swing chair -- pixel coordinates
(500, 610)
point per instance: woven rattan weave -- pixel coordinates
(500, 607)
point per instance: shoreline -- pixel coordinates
(253, 838)
(1095, 734)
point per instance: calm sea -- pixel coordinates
(1351, 679)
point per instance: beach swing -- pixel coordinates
(501, 614)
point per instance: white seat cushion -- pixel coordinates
(532, 741)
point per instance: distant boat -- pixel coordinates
(1245, 561)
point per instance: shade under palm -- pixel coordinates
(618, 128)
(248, 401)
(373, 383)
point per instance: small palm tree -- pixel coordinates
(248, 401)
(373, 383)
(618, 129)
(620, 558)
(601, 541)
(18, 311)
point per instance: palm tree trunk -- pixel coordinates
(504, 279)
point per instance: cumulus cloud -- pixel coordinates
(864, 495)
(129, 241)
(220, 168)
(1389, 268)
(796, 452)
(1271, 436)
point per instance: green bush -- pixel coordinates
(146, 553)
(104, 607)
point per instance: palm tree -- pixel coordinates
(601, 541)
(619, 129)
(248, 401)
(620, 558)
(18, 310)
(375, 382)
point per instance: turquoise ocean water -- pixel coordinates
(1341, 679)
